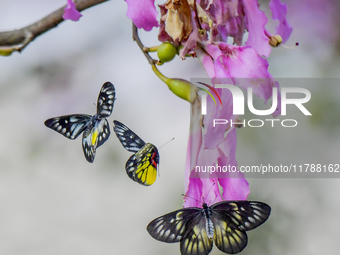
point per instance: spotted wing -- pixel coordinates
(128, 138)
(94, 136)
(142, 166)
(106, 99)
(232, 219)
(69, 126)
(172, 227)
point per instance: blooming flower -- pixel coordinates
(70, 12)
(231, 63)
(202, 28)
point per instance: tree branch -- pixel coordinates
(19, 39)
(135, 37)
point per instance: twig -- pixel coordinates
(19, 39)
(135, 37)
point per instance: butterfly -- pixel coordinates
(95, 128)
(142, 165)
(195, 228)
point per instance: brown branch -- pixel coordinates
(135, 37)
(19, 39)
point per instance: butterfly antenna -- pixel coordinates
(167, 143)
(211, 188)
(161, 148)
(184, 195)
(214, 200)
(209, 191)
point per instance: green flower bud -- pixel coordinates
(166, 52)
(179, 87)
(182, 89)
(6, 51)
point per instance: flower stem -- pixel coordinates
(152, 49)
(159, 74)
(141, 46)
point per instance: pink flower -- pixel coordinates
(233, 65)
(211, 146)
(204, 187)
(242, 65)
(70, 12)
(143, 13)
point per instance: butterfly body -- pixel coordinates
(95, 128)
(224, 223)
(209, 226)
(143, 164)
(95, 134)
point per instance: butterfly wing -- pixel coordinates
(196, 240)
(232, 219)
(103, 131)
(246, 215)
(106, 99)
(94, 136)
(172, 227)
(186, 226)
(127, 137)
(69, 126)
(142, 166)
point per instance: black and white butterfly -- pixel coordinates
(195, 228)
(95, 128)
(143, 164)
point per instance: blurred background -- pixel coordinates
(52, 201)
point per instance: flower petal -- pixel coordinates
(192, 185)
(221, 10)
(193, 193)
(215, 135)
(202, 190)
(206, 61)
(191, 42)
(249, 70)
(279, 11)
(257, 20)
(143, 13)
(235, 186)
(70, 12)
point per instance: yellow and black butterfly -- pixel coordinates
(142, 165)
(96, 128)
(195, 228)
